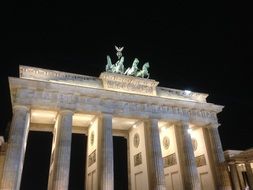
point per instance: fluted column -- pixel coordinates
(59, 179)
(13, 165)
(234, 176)
(107, 172)
(187, 159)
(222, 177)
(249, 174)
(157, 160)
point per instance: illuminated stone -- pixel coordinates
(117, 105)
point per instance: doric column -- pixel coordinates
(107, 173)
(234, 176)
(222, 177)
(249, 174)
(15, 153)
(156, 160)
(186, 156)
(61, 151)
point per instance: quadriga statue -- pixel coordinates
(118, 67)
(132, 71)
(144, 72)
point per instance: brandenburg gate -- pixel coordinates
(172, 135)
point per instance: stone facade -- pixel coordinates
(240, 168)
(159, 124)
(3, 147)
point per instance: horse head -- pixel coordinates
(109, 65)
(136, 61)
(145, 66)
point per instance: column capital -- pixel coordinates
(153, 119)
(106, 113)
(232, 163)
(21, 107)
(66, 112)
(213, 125)
(184, 122)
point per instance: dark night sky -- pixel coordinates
(199, 46)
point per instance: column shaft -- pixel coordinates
(249, 174)
(222, 177)
(59, 179)
(15, 153)
(157, 160)
(187, 159)
(107, 173)
(234, 177)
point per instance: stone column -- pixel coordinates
(60, 158)
(15, 153)
(249, 174)
(186, 156)
(158, 180)
(234, 176)
(221, 173)
(107, 173)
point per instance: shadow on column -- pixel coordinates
(120, 163)
(78, 162)
(37, 161)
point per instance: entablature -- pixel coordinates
(41, 94)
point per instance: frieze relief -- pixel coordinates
(92, 158)
(137, 159)
(45, 74)
(129, 87)
(58, 76)
(67, 98)
(200, 160)
(169, 160)
(174, 93)
(128, 84)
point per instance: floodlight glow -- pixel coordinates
(164, 129)
(189, 131)
(187, 92)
